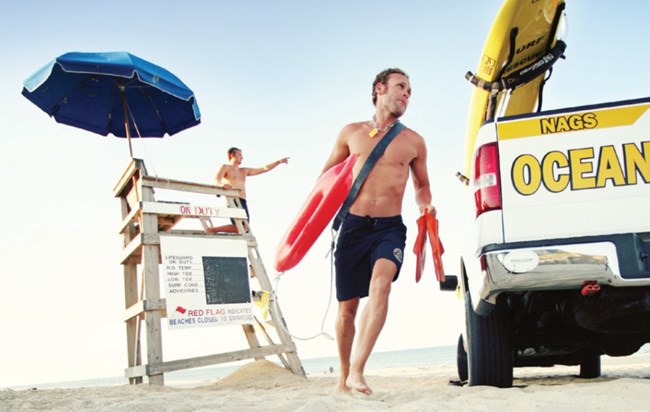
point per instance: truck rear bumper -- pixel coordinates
(562, 266)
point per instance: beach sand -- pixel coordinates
(264, 386)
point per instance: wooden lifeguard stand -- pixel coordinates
(144, 219)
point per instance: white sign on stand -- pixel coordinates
(206, 281)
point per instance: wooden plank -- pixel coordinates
(171, 184)
(134, 310)
(208, 360)
(137, 371)
(274, 309)
(131, 296)
(130, 216)
(250, 239)
(132, 252)
(136, 166)
(251, 337)
(133, 194)
(189, 210)
(270, 341)
(140, 307)
(130, 274)
(151, 274)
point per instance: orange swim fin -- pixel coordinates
(418, 247)
(436, 245)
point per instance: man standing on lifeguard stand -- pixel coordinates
(232, 176)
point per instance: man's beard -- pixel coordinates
(398, 113)
(398, 110)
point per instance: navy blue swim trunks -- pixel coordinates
(361, 242)
(244, 206)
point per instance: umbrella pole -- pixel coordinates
(126, 120)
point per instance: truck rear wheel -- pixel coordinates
(490, 346)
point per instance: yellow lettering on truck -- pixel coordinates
(581, 169)
(554, 176)
(568, 123)
(574, 122)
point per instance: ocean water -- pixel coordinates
(378, 360)
(439, 355)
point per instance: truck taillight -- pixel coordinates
(487, 187)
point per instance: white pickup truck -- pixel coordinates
(555, 268)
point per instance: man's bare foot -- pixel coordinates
(358, 383)
(342, 387)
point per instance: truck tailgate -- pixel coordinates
(576, 172)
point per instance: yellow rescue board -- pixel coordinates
(534, 26)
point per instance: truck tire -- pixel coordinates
(490, 346)
(461, 360)
(590, 367)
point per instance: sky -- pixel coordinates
(276, 78)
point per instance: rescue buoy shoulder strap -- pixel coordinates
(376, 153)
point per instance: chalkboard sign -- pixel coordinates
(226, 280)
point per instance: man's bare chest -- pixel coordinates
(236, 175)
(399, 151)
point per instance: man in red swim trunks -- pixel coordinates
(232, 176)
(370, 246)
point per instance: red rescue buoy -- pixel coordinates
(318, 210)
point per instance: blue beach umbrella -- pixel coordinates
(115, 93)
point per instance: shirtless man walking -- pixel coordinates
(371, 241)
(232, 176)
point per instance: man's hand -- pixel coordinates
(429, 208)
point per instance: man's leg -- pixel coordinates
(222, 229)
(344, 337)
(232, 228)
(371, 322)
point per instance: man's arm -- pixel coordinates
(421, 178)
(340, 151)
(252, 171)
(221, 173)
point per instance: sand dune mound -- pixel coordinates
(260, 374)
